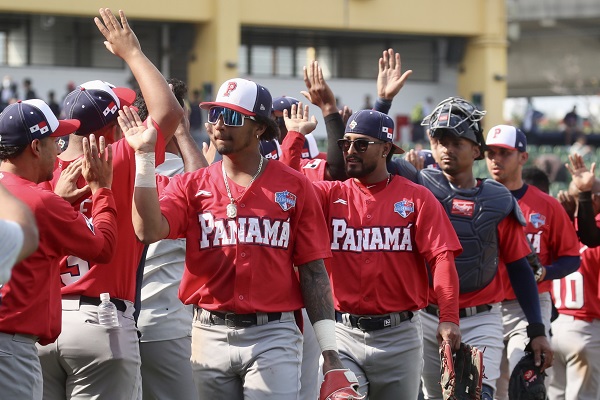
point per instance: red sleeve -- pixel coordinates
(512, 242)
(312, 235)
(161, 182)
(94, 240)
(446, 285)
(174, 207)
(291, 149)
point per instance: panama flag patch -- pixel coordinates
(404, 208)
(112, 108)
(537, 220)
(42, 127)
(285, 199)
(389, 132)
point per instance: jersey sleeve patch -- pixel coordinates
(285, 199)
(89, 223)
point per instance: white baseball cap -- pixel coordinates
(508, 137)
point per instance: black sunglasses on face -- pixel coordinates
(360, 145)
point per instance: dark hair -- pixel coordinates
(179, 90)
(10, 152)
(536, 177)
(272, 129)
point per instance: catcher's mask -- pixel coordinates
(459, 117)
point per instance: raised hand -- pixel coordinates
(413, 157)
(66, 186)
(120, 39)
(583, 177)
(568, 202)
(298, 121)
(141, 138)
(390, 78)
(97, 166)
(319, 93)
(346, 113)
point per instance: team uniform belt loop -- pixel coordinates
(462, 313)
(232, 320)
(368, 323)
(95, 301)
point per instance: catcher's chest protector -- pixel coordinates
(475, 214)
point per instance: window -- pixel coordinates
(284, 53)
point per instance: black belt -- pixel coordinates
(232, 320)
(371, 323)
(462, 313)
(95, 301)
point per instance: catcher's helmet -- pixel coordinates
(459, 117)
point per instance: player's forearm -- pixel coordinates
(291, 149)
(104, 216)
(446, 286)
(525, 288)
(148, 222)
(562, 267)
(382, 105)
(160, 100)
(587, 230)
(192, 156)
(334, 124)
(316, 291)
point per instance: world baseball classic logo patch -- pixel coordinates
(404, 208)
(285, 199)
(537, 220)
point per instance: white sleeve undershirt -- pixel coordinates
(11, 243)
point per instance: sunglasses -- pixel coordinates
(360, 145)
(230, 117)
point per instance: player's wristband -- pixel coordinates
(325, 333)
(536, 329)
(144, 170)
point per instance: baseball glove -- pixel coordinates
(461, 373)
(527, 380)
(340, 384)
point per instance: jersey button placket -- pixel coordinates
(243, 275)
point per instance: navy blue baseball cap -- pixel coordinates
(507, 136)
(284, 103)
(96, 104)
(428, 160)
(24, 121)
(243, 96)
(375, 124)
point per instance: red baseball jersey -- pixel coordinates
(118, 278)
(31, 300)
(380, 237)
(291, 155)
(577, 293)
(512, 245)
(246, 264)
(550, 231)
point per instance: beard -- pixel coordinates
(359, 169)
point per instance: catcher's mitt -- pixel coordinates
(340, 384)
(527, 380)
(462, 373)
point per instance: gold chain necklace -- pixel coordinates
(231, 207)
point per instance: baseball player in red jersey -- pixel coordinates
(241, 218)
(75, 365)
(382, 230)
(487, 220)
(550, 231)
(30, 300)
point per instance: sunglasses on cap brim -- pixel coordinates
(230, 117)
